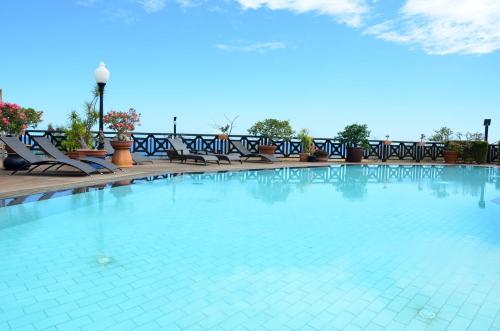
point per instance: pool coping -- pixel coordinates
(26, 198)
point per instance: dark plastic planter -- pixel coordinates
(355, 154)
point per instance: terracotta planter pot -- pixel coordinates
(450, 156)
(267, 149)
(82, 153)
(75, 155)
(304, 157)
(222, 136)
(354, 154)
(387, 142)
(121, 156)
(312, 158)
(100, 153)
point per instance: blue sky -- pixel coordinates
(402, 67)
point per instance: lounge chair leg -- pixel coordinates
(30, 170)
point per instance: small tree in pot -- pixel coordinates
(451, 150)
(271, 130)
(306, 144)
(355, 136)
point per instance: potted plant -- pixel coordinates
(226, 129)
(320, 155)
(355, 136)
(122, 123)
(450, 152)
(78, 143)
(306, 145)
(271, 130)
(421, 143)
(14, 120)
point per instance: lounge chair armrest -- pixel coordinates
(198, 151)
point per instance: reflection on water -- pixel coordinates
(354, 181)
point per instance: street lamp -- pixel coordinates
(487, 123)
(175, 126)
(101, 77)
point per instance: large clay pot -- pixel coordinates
(82, 153)
(14, 161)
(121, 156)
(450, 156)
(267, 149)
(355, 154)
(304, 157)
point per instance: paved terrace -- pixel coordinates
(24, 184)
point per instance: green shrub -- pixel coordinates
(355, 135)
(478, 151)
(272, 129)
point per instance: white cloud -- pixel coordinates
(261, 47)
(122, 15)
(87, 3)
(350, 12)
(445, 26)
(152, 6)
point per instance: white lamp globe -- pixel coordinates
(102, 74)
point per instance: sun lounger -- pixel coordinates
(54, 152)
(34, 161)
(222, 157)
(246, 153)
(184, 154)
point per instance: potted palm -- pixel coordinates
(14, 120)
(306, 144)
(78, 143)
(355, 136)
(451, 149)
(122, 123)
(271, 130)
(226, 129)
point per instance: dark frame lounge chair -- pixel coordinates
(246, 153)
(221, 157)
(184, 154)
(34, 161)
(137, 158)
(50, 149)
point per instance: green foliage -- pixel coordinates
(456, 146)
(272, 129)
(76, 133)
(355, 135)
(79, 132)
(442, 135)
(479, 151)
(469, 151)
(306, 141)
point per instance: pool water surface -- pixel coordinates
(334, 248)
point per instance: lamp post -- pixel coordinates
(101, 77)
(175, 126)
(487, 123)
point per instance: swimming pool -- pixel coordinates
(334, 248)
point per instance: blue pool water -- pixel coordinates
(334, 248)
